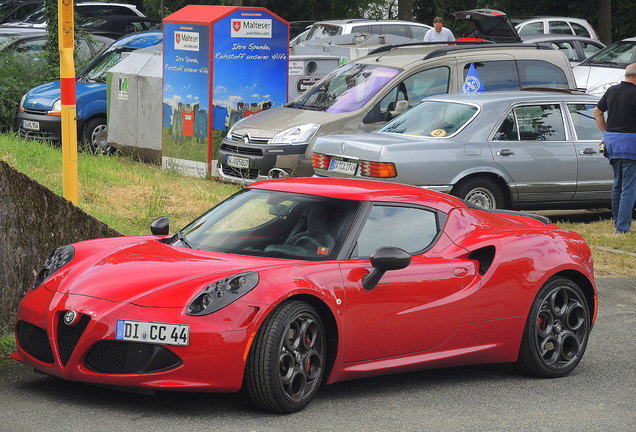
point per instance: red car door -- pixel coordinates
(410, 310)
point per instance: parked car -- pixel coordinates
(116, 26)
(30, 45)
(84, 10)
(17, 10)
(605, 68)
(539, 25)
(39, 112)
(407, 29)
(362, 95)
(526, 149)
(295, 282)
(575, 48)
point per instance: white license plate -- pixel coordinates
(153, 332)
(237, 162)
(31, 125)
(343, 167)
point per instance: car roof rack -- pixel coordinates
(413, 44)
(555, 90)
(444, 51)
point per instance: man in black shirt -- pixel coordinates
(619, 138)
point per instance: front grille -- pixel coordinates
(68, 336)
(35, 111)
(245, 174)
(34, 341)
(242, 150)
(122, 357)
(253, 140)
(43, 134)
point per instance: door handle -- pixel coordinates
(505, 152)
(588, 151)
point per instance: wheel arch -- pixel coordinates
(496, 177)
(331, 327)
(586, 286)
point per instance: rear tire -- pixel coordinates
(287, 359)
(480, 191)
(557, 330)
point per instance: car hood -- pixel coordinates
(43, 97)
(590, 77)
(369, 146)
(153, 274)
(268, 123)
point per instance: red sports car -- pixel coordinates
(292, 283)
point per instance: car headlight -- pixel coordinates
(56, 109)
(221, 293)
(296, 135)
(22, 102)
(58, 259)
(600, 90)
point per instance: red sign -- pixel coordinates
(178, 36)
(236, 25)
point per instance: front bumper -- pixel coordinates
(214, 359)
(261, 159)
(50, 127)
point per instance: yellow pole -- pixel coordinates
(66, 41)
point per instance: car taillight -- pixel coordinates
(377, 169)
(320, 161)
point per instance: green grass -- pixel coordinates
(7, 344)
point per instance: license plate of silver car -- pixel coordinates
(237, 161)
(343, 167)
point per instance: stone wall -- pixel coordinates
(33, 222)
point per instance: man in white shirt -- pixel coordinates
(439, 33)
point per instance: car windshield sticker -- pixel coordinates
(438, 133)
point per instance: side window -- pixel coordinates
(412, 229)
(508, 130)
(398, 30)
(582, 116)
(538, 73)
(559, 27)
(566, 48)
(534, 28)
(416, 87)
(83, 50)
(24, 11)
(589, 48)
(540, 123)
(361, 29)
(418, 32)
(496, 75)
(579, 30)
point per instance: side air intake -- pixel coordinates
(484, 256)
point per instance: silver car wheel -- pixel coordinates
(481, 197)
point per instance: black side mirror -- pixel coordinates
(160, 226)
(384, 259)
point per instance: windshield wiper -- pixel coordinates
(180, 237)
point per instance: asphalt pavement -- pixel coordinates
(600, 395)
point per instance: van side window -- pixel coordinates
(583, 120)
(416, 87)
(539, 73)
(534, 28)
(384, 224)
(540, 122)
(496, 75)
(579, 30)
(559, 27)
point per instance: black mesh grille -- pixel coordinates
(242, 150)
(34, 341)
(239, 173)
(68, 336)
(121, 357)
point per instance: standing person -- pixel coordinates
(619, 138)
(439, 33)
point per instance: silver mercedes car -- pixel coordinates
(522, 149)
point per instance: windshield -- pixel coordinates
(432, 119)
(96, 70)
(272, 224)
(36, 17)
(319, 31)
(619, 55)
(346, 89)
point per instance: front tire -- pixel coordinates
(286, 362)
(480, 191)
(557, 330)
(95, 136)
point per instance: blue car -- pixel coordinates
(40, 108)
